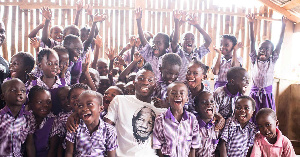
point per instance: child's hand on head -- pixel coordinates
(35, 42)
(79, 5)
(251, 17)
(98, 41)
(217, 50)
(238, 45)
(110, 53)
(177, 14)
(138, 13)
(99, 18)
(46, 12)
(192, 19)
(89, 9)
(284, 20)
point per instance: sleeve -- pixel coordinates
(113, 109)
(225, 132)
(111, 141)
(146, 52)
(288, 149)
(71, 137)
(256, 152)
(196, 136)
(252, 136)
(253, 56)
(202, 51)
(68, 78)
(56, 127)
(158, 136)
(217, 100)
(31, 123)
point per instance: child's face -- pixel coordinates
(108, 97)
(95, 79)
(74, 98)
(177, 96)
(169, 73)
(226, 46)
(63, 61)
(56, 34)
(129, 89)
(206, 107)
(242, 82)
(50, 65)
(63, 99)
(131, 77)
(84, 34)
(194, 76)
(15, 94)
(267, 126)
(41, 104)
(188, 42)
(243, 111)
(265, 51)
(75, 49)
(2, 33)
(89, 109)
(159, 47)
(17, 67)
(102, 68)
(103, 85)
(144, 83)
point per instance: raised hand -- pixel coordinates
(110, 53)
(79, 5)
(98, 41)
(99, 18)
(137, 57)
(177, 14)
(183, 19)
(89, 9)
(132, 41)
(192, 19)
(46, 12)
(251, 17)
(284, 20)
(35, 42)
(138, 13)
(238, 45)
(217, 50)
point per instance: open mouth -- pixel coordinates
(86, 116)
(189, 45)
(12, 73)
(191, 82)
(44, 111)
(178, 102)
(209, 110)
(144, 89)
(242, 116)
(245, 88)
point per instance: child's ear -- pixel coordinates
(277, 123)
(39, 65)
(101, 108)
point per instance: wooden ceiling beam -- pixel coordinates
(291, 4)
(281, 10)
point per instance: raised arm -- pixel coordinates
(89, 11)
(85, 71)
(138, 16)
(98, 43)
(111, 56)
(216, 66)
(193, 21)
(251, 19)
(129, 68)
(48, 15)
(35, 31)
(176, 15)
(278, 46)
(234, 61)
(128, 46)
(79, 7)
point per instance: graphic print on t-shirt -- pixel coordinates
(143, 123)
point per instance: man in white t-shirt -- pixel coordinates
(133, 117)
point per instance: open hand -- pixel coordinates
(138, 13)
(89, 9)
(192, 19)
(251, 17)
(46, 12)
(99, 41)
(79, 5)
(35, 42)
(99, 18)
(110, 53)
(176, 14)
(238, 45)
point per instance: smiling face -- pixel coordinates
(63, 99)
(226, 47)
(265, 50)
(103, 85)
(2, 33)
(194, 76)
(102, 68)
(49, 65)
(74, 95)
(56, 34)
(159, 47)
(243, 111)
(129, 88)
(241, 82)
(15, 93)
(144, 83)
(89, 109)
(75, 49)
(17, 67)
(177, 96)
(169, 73)
(41, 104)
(206, 106)
(63, 60)
(189, 42)
(267, 126)
(109, 94)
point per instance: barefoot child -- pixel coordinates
(263, 64)
(238, 135)
(270, 141)
(93, 137)
(176, 132)
(16, 124)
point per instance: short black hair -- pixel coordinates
(60, 49)
(116, 88)
(166, 38)
(170, 59)
(99, 96)
(234, 72)
(77, 86)
(85, 28)
(69, 39)
(45, 51)
(176, 83)
(147, 66)
(56, 26)
(269, 41)
(266, 111)
(27, 58)
(70, 28)
(34, 90)
(198, 96)
(253, 103)
(200, 64)
(7, 83)
(230, 37)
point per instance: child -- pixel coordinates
(195, 75)
(94, 75)
(176, 132)
(48, 63)
(93, 137)
(238, 81)
(104, 84)
(102, 67)
(16, 124)
(40, 105)
(188, 50)
(208, 130)
(21, 65)
(64, 68)
(227, 58)
(109, 94)
(129, 88)
(238, 135)
(263, 65)
(152, 54)
(135, 65)
(270, 141)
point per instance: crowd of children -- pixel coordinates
(150, 100)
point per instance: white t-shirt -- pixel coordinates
(134, 122)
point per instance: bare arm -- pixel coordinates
(79, 6)
(251, 19)
(30, 148)
(176, 15)
(85, 70)
(109, 121)
(192, 152)
(129, 45)
(48, 15)
(53, 146)
(223, 152)
(69, 149)
(216, 67)
(35, 31)
(159, 153)
(89, 11)
(278, 46)
(234, 61)
(111, 153)
(98, 43)
(138, 14)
